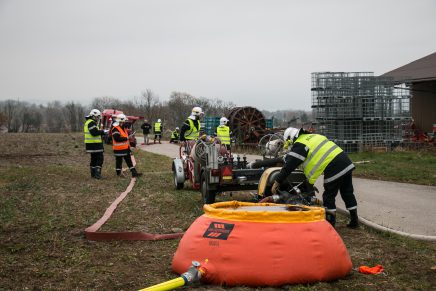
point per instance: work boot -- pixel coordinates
(97, 173)
(120, 173)
(92, 172)
(135, 173)
(331, 218)
(354, 219)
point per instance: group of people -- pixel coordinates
(314, 152)
(190, 129)
(157, 130)
(120, 144)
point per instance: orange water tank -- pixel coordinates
(239, 243)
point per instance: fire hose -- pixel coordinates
(92, 232)
(266, 163)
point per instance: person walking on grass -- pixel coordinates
(94, 142)
(121, 146)
(319, 155)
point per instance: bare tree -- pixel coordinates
(55, 118)
(102, 103)
(74, 113)
(10, 109)
(80, 117)
(215, 107)
(180, 105)
(31, 119)
(3, 118)
(149, 103)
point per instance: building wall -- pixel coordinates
(424, 105)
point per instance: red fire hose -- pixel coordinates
(92, 232)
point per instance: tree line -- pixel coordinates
(56, 116)
(22, 116)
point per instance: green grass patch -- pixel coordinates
(409, 166)
(50, 199)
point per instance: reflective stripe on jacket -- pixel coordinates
(157, 126)
(321, 153)
(89, 138)
(123, 145)
(193, 132)
(223, 132)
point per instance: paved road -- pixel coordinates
(403, 207)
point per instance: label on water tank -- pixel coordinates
(219, 230)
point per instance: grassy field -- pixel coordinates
(47, 200)
(417, 167)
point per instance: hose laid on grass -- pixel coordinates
(92, 232)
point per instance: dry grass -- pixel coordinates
(47, 200)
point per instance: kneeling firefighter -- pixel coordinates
(319, 155)
(121, 146)
(175, 136)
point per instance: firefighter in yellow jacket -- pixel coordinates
(93, 142)
(223, 132)
(157, 129)
(191, 128)
(121, 146)
(320, 155)
(175, 136)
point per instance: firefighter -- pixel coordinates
(223, 132)
(175, 136)
(319, 155)
(157, 128)
(191, 127)
(121, 146)
(94, 142)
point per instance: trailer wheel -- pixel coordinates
(177, 185)
(207, 195)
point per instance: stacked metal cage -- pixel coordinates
(358, 110)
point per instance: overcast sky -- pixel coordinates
(253, 53)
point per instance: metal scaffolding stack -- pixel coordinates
(358, 110)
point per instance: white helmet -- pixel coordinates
(291, 133)
(196, 111)
(177, 128)
(95, 113)
(121, 118)
(223, 121)
(159, 120)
